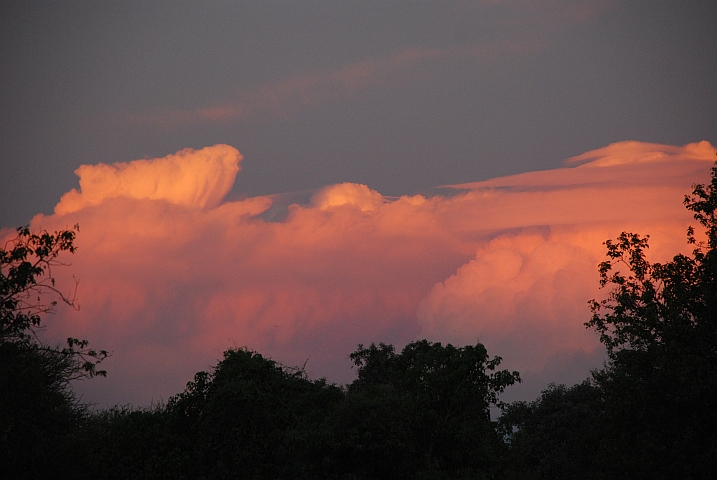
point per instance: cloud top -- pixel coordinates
(197, 179)
(640, 152)
(348, 194)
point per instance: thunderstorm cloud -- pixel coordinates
(170, 274)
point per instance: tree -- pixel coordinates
(252, 417)
(424, 411)
(559, 435)
(670, 308)
(26, 264)
(38, 412)
(453, 380)
(651, 412)
(659, 325)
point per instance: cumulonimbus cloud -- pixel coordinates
(170, 276)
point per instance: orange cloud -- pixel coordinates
(640, 152)
(193, 178)
(348, 194)
(170, 276)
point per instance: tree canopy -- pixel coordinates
(651, 411)
(425, 409)
(39, 415)
(26, 281)
(421, 413)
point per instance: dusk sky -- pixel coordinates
(301, 177)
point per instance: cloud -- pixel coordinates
(348, 194)
(170, 276)
(517, 29)
(192, 178)
(639, 152)
(303, 89)
(307, 89)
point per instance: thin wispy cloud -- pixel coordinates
(521, 28)
(303, 90)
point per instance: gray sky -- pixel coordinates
(401, 96)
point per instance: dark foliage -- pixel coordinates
(26, 281)
(560, 435)
(252, 418)
(651, 412)
(39, 416)
(423, 412)
(419, 414)
(40, 419)
(248, 418)
(124, 443)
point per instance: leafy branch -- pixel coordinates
(26, 281)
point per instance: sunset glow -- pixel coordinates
(169, 275)
(425, 239)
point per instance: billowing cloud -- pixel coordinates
(170, 276)
(192, 178)
(348, 194)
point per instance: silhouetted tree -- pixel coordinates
(651, 412)
(253, 418)
(559, 435)
(39, 415)
(423, 412)
(26, 279)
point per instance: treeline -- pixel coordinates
(420, 413)
(423, 412)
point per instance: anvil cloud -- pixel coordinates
(170, 276)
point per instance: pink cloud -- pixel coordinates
(170, 276)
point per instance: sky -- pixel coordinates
(301, 177)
